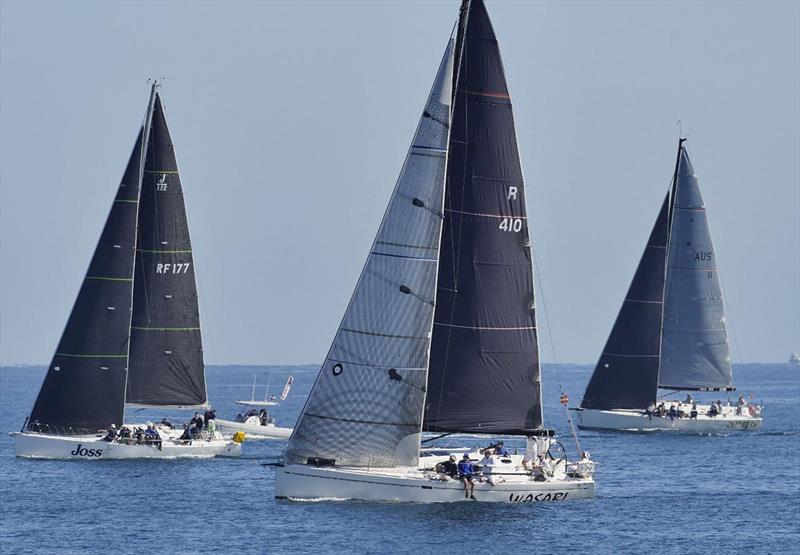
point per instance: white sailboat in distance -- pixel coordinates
(133, 336)
(440, 334)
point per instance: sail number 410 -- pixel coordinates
(511, 224)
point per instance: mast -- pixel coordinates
(148, 121)
(671, 197)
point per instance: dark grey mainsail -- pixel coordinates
(670, 331)
(626, 376)
(484, 366)
(365, 408)
(694, 344)
(84, 388)
(166, 351)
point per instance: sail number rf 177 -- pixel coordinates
(174, 268)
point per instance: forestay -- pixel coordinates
(484, 367)
(694, 351)
(166, 351)
(365, 407)
(84, 388)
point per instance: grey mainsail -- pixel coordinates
(694, 344)
(366, 405)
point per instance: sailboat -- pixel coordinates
(133, 336)
(440, 333)
(670, 332)
(254, 419)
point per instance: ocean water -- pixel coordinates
(656, 493)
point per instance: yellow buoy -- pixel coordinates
(238, 437)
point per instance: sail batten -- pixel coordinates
(368, 412)
(484, 366)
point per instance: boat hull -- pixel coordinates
(252, 431)
(636, 421)
(297, 481)
(93, 448)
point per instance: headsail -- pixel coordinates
(84, 388)
(484, 367)
(166, 352)
(626, 376)
(366, 405)
(694, 350)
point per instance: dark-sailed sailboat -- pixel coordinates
(440, 334)
(133, 335)
(670, 332)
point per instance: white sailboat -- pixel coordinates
(254, 419)
(670, 332)
(440, 334)
(133, 336)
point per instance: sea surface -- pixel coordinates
(657, 493)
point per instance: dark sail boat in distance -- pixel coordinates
(670, 332)
(133, 335)
(440, 334)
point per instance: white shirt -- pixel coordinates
(486, 464)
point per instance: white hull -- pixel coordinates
(636, 421)
(412, 485)
(252, 431)
(92, 447)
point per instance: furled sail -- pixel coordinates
(166, 351)
(694, 350)
(626, 376)
(484, 366)
(365, 408)
(84, 388)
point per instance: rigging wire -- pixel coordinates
(564, 398)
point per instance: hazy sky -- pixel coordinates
(291, 121)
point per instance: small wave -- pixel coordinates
(318, 499)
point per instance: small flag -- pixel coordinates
(564, 399)
(286, 388)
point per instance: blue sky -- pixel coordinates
(291, 121)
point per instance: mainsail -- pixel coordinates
(84, 388)
(166, 351)
(484, 365)
(694, 344)
(365, 408)
(670, 331)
